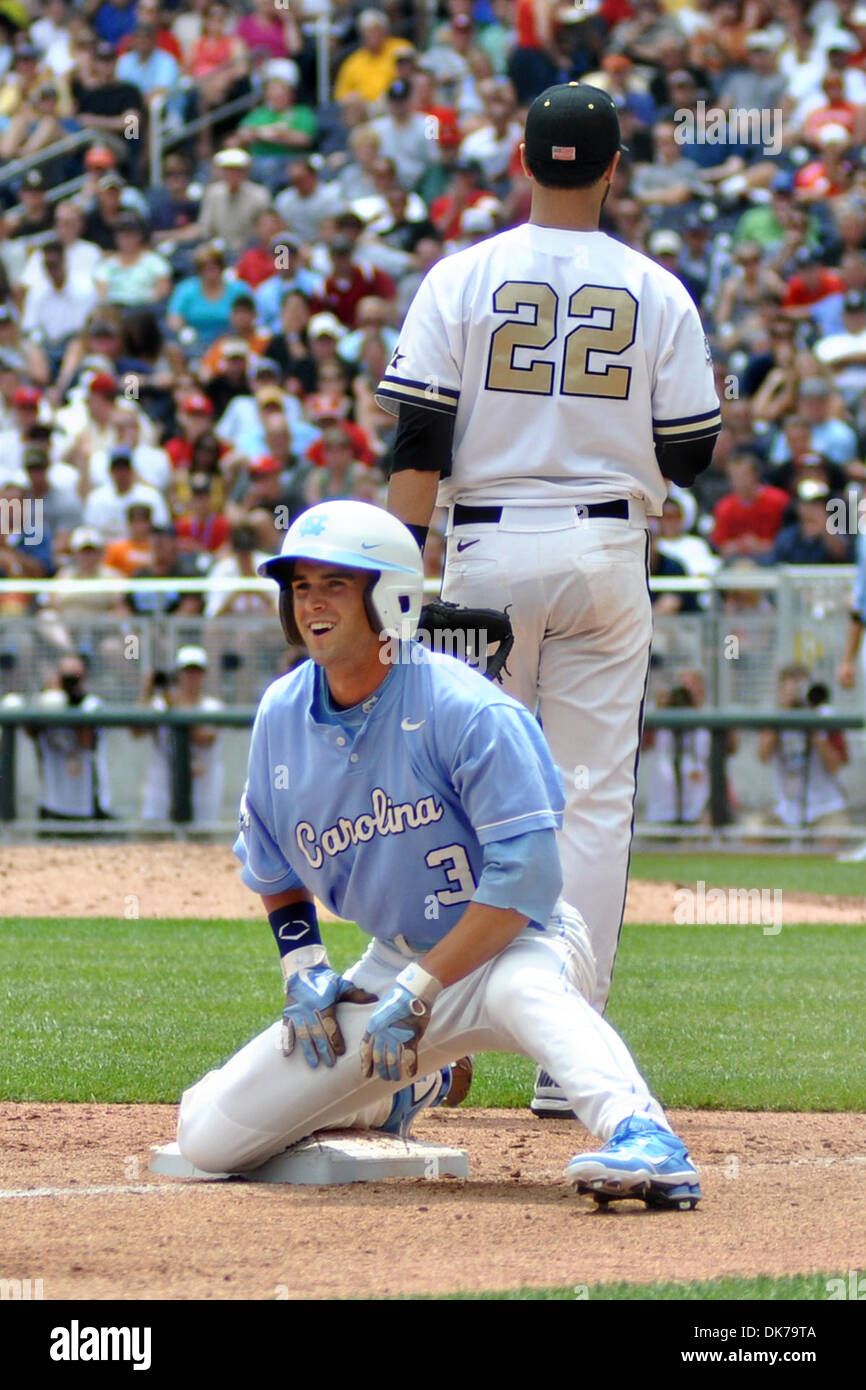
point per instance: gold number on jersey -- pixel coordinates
(619, 308)
(613, 337)
(538, 332)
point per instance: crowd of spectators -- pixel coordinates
(189, 352)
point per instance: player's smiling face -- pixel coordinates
(331, 616)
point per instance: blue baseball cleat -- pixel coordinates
(642, 1161)
(423, 1094)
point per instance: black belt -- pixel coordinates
(468, 516)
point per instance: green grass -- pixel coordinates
(801, 873)
(802, 1287)
(716, 1016)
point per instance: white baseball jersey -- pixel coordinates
(608, 340)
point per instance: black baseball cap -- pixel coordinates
(572, 134)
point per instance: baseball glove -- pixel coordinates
(468, 633)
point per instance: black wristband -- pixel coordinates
(420, 534)
(295, 925)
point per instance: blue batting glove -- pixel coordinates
(394, 1030)
(310, 1014)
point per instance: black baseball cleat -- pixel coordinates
(549, 1101)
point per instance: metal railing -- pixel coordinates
(179, 721)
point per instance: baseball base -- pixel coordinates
(343, 1156)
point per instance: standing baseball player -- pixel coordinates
(548, 381)
(382, 781)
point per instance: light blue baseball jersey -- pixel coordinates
(386, 823)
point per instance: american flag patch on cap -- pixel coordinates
(563, 152)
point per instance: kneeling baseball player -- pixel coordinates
(418, 799)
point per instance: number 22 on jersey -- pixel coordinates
(613, 334)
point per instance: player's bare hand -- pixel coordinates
(390, 1045)
(310, 1013)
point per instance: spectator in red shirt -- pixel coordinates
(326, 409)
(194, 418)
(811, 283)
(349, 282)
(748, 518)
(464, 191)
(203, 529)
(258, 262)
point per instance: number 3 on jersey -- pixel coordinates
(614, 336)
(459, 872)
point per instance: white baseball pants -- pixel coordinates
(529, 999)
(576, 592)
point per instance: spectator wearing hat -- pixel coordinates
(807, 541)
(243, 329)
(749, 285)
(829, 436)
(371, 68)
(26, 550)
(173, 206)
(778, 226)
(759, 84)
(61, 508)
(244, 424)
(59, 310)
(84, 560)
(676, 539)
(805, 764)
(404, 135)
(107, 507)
(200, 306)
(374, 315)
(37, 124)
(73, 771)
(21, 79)
(307, 202)
(340, 469)
(202, 528)
(184, 690)
(349, 282)
(36, 214)
(100, 221)
(289, 349)
(104, 100)
(232, 203)
(168, 562)
(831, 173)
(194, 422)
(448, 59)
(289, 276)
(749, 517)
(279, 128)
(328, 410)
(844, 354)
(227, 373)
(272, 496)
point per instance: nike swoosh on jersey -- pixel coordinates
(368, 545)
(464, 545)
(409, 726)
(285, 936)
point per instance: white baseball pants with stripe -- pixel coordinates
(576, 592)
(529, 999)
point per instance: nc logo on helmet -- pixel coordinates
(313, 526)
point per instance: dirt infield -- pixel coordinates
(186, 880)
(783, 1194)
